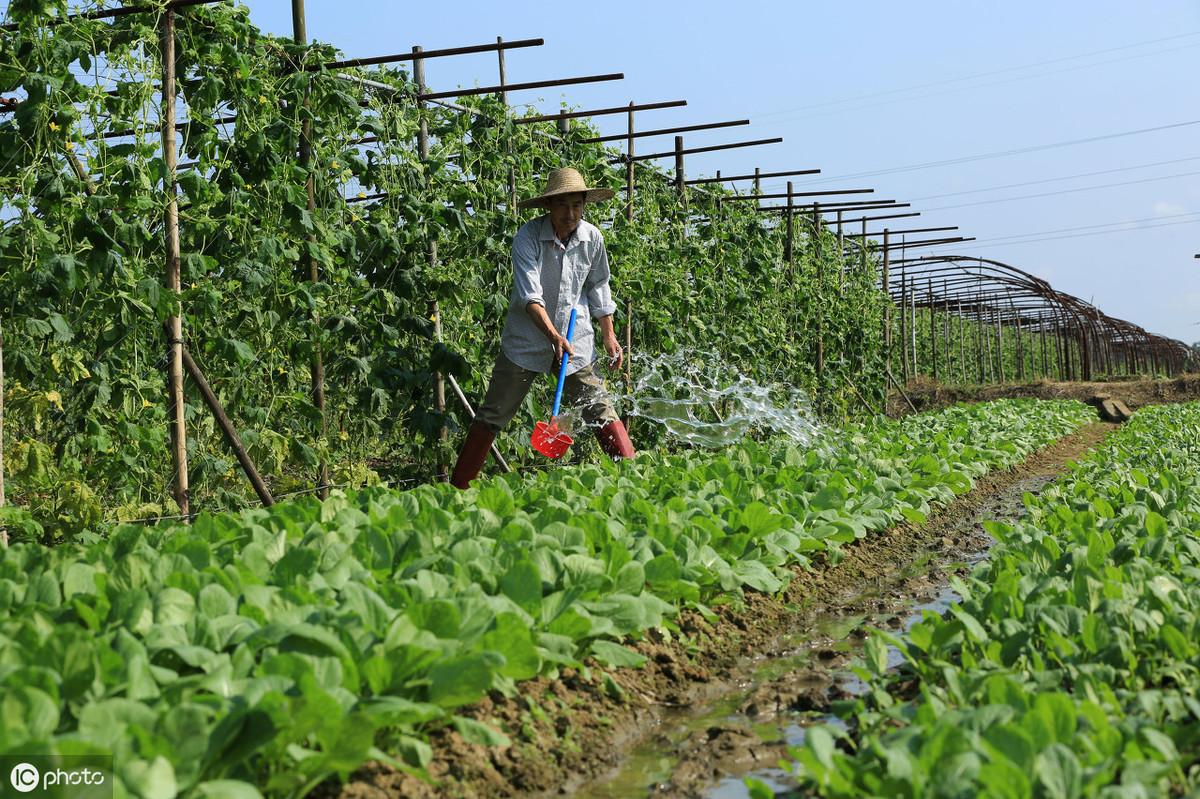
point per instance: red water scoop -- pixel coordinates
(547, 438)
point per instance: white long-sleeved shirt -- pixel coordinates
(559, 278)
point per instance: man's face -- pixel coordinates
(565, 212)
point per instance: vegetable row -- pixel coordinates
(278, 647)
(1071, 667)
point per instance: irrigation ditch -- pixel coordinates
(725, 697)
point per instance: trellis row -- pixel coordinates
(1080, 331)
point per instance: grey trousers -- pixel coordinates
(510, 384)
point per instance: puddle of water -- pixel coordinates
(776, 779)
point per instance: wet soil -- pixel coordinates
(928, 394)
(721, 697)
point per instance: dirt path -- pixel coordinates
(928, 395)
(665, 729)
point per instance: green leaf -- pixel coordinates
(476, 732)
(461, 680)
(512, 638)
(522, 583)
(615, 655)
(1059, 773)
(225, 789)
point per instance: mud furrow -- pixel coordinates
(722, 698)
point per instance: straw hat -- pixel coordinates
(566, 181)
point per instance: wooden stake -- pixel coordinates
(227, 429)
(462, 398)
(789, 239)
(820, 297)
(629, 178)
(171, 242)
(962, 346)
(933, 354)
(2, 500)
(904, 321)
(300, 36)
(887, 292)
(628, 348)
(435, 313)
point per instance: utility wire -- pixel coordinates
(1099, 226)
(973, 76)
(1064, 191)
(1005, 242)
(977, 86)
(781, 186)
(1000, 153)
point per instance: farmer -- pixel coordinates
(559, 263)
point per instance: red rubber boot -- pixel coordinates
(472, 456)
(614, 440)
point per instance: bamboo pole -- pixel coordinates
(628, 349)
(1045, 368)
(887, 294)
(512, 171)
(933, 353)
(946, 331)
(820, 298)
(1020, 350)
(2, 498)
(171, 242)
(912, 325)
(900, 388)
(979, 327)
(227, 428)
(962, 346)
(904, 322)
(462, 398)
(629, 177)
(435, 312)
(300, 35)
(789, 240)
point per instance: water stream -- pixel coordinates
(703, 401)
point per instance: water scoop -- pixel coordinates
(547, 438)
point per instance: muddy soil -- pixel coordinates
(665, 727)
(928, 394)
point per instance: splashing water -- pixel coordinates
(703, 401)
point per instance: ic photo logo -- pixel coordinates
(58, 777)
(24, 777)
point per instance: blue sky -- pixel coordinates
(871, 86)
(834, 80)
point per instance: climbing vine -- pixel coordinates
(81, 265)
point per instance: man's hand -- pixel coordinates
(616, 356)
(560, 345)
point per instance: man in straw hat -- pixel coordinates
(559, 263)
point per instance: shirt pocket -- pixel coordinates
(575, 273)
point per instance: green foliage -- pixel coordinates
(281, 647)
(1070, 666)
(82, 271)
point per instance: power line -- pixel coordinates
(768, 187)
(1006, 242)
(1000, 153)
(1097, 226)
(977, 86)
(1055, 180)
(975, 75)
(1064, 191)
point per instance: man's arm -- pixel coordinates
(600, 301)
(616, 356)
(541, 319)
